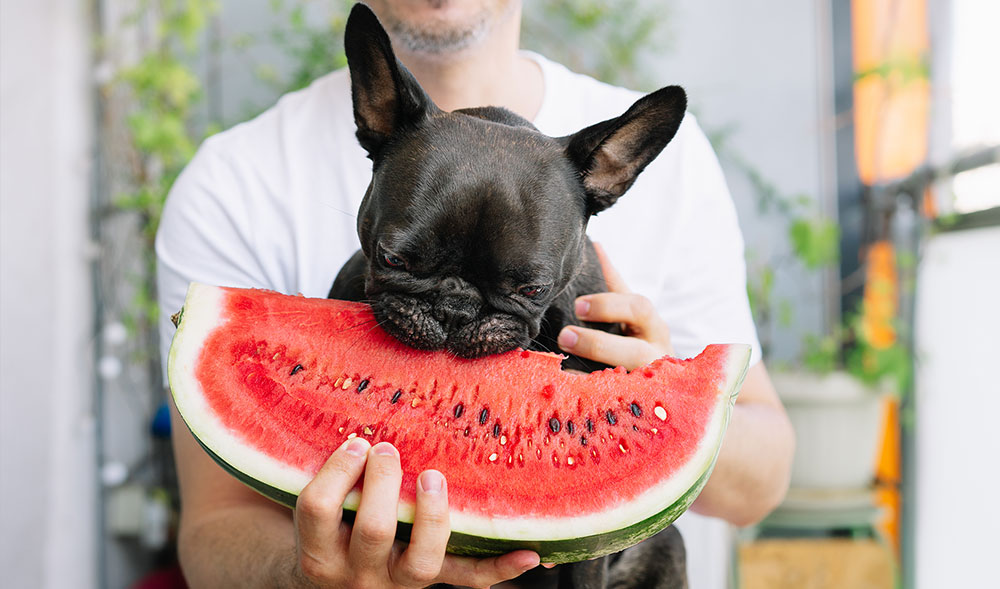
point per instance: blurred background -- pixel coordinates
(860, 141)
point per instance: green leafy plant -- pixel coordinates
(814, 246)
(151, 127)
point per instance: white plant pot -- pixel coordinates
(836, 420)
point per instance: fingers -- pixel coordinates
(374, 527)
(615, 350)
(635, 311)
(318, 509)
(648, 335)
(420, 564)
(483, 572)
(367, 553)
(611, 275)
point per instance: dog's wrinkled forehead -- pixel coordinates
(462, 168)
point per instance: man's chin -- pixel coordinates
(440, 27)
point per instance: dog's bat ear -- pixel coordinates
(386, 95)
(611, 154)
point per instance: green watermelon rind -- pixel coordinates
(284, 483)
(554, 551)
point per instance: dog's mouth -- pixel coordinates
(463, 331)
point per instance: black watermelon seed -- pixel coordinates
(459, 410)
(395, 396)
(297, 368)
(636, 410)
(635, 428)
(483, 416)
(363, 385)
(583, 440)
(611, 417)
(496, 430)
(554, 425)
(590, 425)
(570, 428)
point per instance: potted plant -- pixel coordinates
(834, 392)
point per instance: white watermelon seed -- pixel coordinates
(493, 457)
(660, 412)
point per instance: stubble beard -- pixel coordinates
(442, 38)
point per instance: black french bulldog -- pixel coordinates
(473, 236)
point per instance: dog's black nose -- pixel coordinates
(458, 302)
(456, 310)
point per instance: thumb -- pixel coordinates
(615, 281)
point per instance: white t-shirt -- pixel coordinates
(272, 203)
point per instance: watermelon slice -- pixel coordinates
(572, 466)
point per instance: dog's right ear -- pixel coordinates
(386, 95)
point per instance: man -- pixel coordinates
(270, 204)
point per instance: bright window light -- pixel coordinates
(975, 99)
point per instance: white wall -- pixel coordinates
(47, 489)
(763, 70)
(957, 404)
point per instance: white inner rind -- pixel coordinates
(203, 314)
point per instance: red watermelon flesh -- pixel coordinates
(534, 456)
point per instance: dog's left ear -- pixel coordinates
(611, 154)
(386, 96)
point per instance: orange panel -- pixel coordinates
(892, 91)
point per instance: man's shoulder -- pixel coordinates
(303, 118)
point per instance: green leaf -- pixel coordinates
(816, 242)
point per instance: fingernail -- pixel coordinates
(357, 447)
(582, 307)
(384, 449)
(567, 338)
(531, 562)
(548, 565)
(431, 481)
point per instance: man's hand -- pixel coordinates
(646, 338)
(231, 536)
(332, 553)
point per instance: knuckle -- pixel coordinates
(317, 506)
(363, 580)
(373, 532)
(421, 572)
(435, 518)
(315, 569)
(642, 307)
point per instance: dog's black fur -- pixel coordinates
(473, 235)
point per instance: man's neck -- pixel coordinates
(492, 73)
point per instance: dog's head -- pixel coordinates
(474, 221)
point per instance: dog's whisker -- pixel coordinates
(353, 215)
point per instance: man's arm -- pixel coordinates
(228, 532)
(754, 465)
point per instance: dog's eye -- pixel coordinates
(393, 261)
(532, 290)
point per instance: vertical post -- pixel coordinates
(850, 190)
